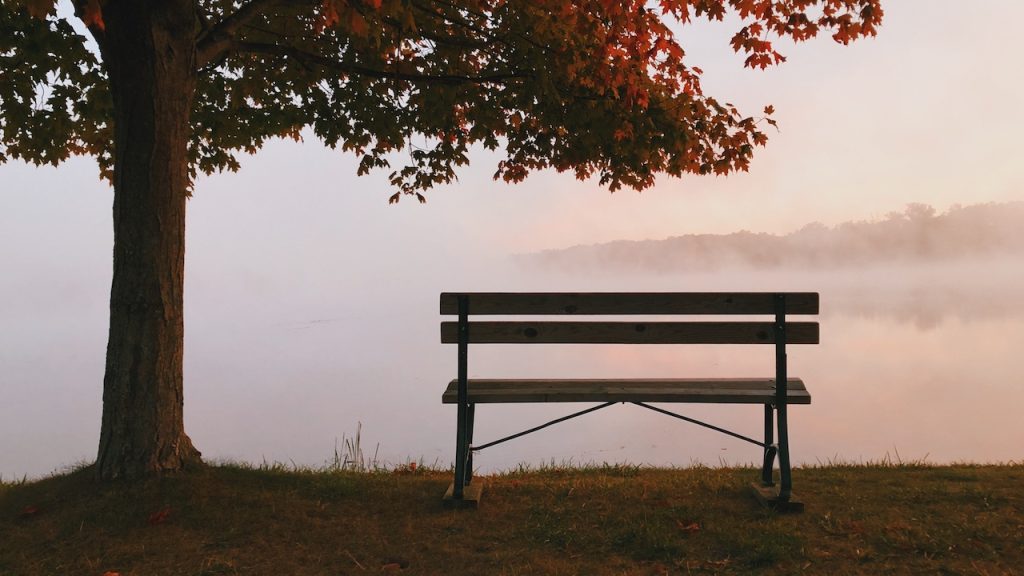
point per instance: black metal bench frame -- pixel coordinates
(783, 389)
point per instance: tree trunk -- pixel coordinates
(148, 49)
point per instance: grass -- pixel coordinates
(885, 518)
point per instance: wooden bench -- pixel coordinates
(775, 392)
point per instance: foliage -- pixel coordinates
(53, 93)
(597, 87)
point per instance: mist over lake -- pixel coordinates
(285, 355)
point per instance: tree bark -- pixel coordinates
(148, 48)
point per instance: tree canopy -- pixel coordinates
(596, 87)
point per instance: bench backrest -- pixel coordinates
(778, 305)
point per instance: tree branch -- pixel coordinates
(355, 69)
(464, 24)
(216, 41)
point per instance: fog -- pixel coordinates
(296, 334)
(913, 237)
(915, 265)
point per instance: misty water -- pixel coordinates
(915, 363)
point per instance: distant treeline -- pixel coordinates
(916, 235)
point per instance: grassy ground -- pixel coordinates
(594, 520)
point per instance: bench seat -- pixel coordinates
(701, 390)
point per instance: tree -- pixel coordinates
(175, 87)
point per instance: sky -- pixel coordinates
(311, 303)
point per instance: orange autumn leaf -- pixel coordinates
(688, 528)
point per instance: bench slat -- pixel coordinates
(629, 333)
(599, 303)
(706, 390)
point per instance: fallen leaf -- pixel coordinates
(394, 565)
(691, 527)
(160, 516)
(108, 573)
(28, 511)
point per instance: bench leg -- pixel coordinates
(470, 415)
(781, 398)
(769, 446)
(781, 499)
(461, 493)
(786, 481)
(461, 451)
(462, 426)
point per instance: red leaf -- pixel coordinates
(28, 511)
(328, 15)
(358, 25)
(160, 516)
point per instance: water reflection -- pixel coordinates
(915, 360)
(928, 296)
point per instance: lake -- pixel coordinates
(915, 364)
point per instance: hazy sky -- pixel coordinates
(929, 111)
